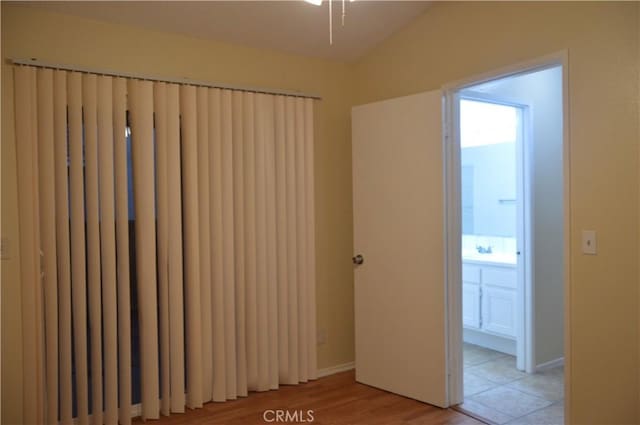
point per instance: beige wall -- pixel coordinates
(457, 40)
(28, 32)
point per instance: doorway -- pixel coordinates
(492, 137)
(508, 163)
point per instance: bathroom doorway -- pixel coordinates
(493, 223)
(509, 165)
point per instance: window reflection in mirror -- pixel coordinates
(488, 135)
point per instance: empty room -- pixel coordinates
(320, 211)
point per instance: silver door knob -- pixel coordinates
(358, 259)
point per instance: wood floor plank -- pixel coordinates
(335, 400)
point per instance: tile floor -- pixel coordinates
(495, 390)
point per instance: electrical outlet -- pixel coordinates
(322, 336)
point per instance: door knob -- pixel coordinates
(358, 259)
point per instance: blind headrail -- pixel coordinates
(40, 64)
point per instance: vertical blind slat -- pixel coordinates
(176, 295)
(191, 244)
(219, 392)
(40, 366)
(262, 279)
(311, 239)
(229, 245)
(62, 244)
(122, 249)
(271, 235)
(301, 233)
(108, 246)
(282, 238)
(301, 238)
(160, 111)
(78, 264)
(248, 120)
(202, 99)
(292, 241)
(141, 109)
(89, 88)
(239, 241)
(46, 185)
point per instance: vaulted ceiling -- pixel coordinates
(291, 26)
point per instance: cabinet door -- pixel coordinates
(499, 310)
(471, 305)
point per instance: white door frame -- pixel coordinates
(525, 315)
(453, 231)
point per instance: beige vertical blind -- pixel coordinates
(166, 242)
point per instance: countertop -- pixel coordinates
(496, 258)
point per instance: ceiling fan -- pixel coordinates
(344, 13)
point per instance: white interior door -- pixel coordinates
(400, 308)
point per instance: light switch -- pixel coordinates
(589, 242)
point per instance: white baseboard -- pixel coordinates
(550, 364)
(336, 369)
(493, 342)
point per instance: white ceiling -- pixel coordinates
(291, 26)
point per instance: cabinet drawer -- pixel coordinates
(470, 273)
(499, 276)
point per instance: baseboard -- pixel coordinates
(550, 364)
(494, 342)
(336, 369)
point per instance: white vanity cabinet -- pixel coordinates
(489, 298)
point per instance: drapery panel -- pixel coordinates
(166, 244)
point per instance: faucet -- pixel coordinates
(484, 250)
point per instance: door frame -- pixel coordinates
(525, 315)
(452, 215)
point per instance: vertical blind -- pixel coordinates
(166, 244)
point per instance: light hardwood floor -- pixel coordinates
(335, 400)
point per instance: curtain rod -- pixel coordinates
(40, 64)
